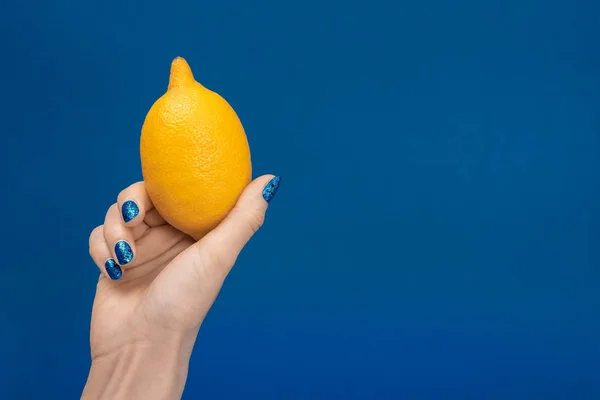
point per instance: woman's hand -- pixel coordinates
(156, 286)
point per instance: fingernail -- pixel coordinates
(129, 210)
(113, 270)
(123, 252)
(271, 189)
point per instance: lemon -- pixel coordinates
(194, 153)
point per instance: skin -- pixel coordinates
(144, 325)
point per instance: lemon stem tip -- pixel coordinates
(181, 73)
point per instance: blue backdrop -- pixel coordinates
(436, 235)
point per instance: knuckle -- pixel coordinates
(94, 252)
(112, 221)
(257, 219)
(253, 219)
(110, 213)
(133, 191)
(96, 234)
(127, 192)
(121, 197)
(114, 207)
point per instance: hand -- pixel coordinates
(155, 288)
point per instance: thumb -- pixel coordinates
(194, 278)
(226, 241)
(201, 269)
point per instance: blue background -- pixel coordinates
(436, 235)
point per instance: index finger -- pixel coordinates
(134, 204)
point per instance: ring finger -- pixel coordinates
(100, 253)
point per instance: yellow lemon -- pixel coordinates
(195, 154)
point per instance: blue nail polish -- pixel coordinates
(271, 189)
(123, 252)
(113, 270)
(129, 210)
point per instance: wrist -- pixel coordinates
(142, 370)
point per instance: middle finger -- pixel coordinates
(119, 238)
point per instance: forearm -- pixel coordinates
(142, 371)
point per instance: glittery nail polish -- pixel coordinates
(123, 252)
(129, 210)
(113, 270)
(271, 189)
